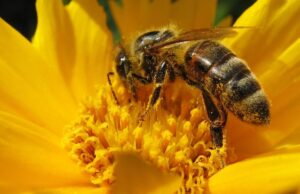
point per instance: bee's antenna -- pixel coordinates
(111, 88)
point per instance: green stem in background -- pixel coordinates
(110, 21)
(231, 7)
(66, 2)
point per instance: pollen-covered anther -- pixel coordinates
(174, 137)
(172, 125)
(138, 136)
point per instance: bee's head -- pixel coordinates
(123, 64)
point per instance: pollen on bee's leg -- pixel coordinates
(175, 136)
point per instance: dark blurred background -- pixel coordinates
(22, 16)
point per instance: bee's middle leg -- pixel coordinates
(159, 81)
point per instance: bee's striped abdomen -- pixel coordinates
(241, 86)
(237, 88)
(202, 56)
(229, 79)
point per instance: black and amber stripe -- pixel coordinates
(203, 56)
(241, 93)
(241, 86)
(229, 79)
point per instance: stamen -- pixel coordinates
(174, 137)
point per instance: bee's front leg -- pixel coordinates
(141, 79)
(111, 88)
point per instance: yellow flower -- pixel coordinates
(56, 105)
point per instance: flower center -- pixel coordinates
(174, 137)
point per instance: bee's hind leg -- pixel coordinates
(217, 116)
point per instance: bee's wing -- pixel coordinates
(199, 34)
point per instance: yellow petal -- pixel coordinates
(274, 31)
(74, 41)
(135, 16)
(95, 12)
(59, 190)
(133, 176)
(31, 157)
(285, 72)
(54, 36)
(70, 190)
(29, 86)
(292, 139)
(277, 172)
(93, 52)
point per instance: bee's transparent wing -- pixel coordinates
(199, 34)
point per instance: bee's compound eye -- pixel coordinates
(122, 63)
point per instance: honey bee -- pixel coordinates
(225, 81)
